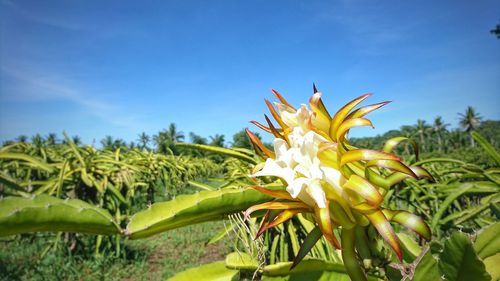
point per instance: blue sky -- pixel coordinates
(97, 68)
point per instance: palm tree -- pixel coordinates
(439, 128)
(37, 140)
(422, 129)
(409, 132)
(241, 139)
(76, 140)
(162, 142)
(197, 139)
(455, 139)
(7, 142)
(143, 140)
(119, 143)
(22, 138)
(132, 145)
(174, 135)
(217, 140)
(108, 142)
(469, 121)
(166, 139)
(51, 139)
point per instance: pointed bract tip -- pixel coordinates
(260, 232)
(315, 90)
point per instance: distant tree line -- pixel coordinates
(162, 142)
(437, 139)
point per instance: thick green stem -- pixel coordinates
(362, 243)
(351, 262)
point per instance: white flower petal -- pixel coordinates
(297, 162)
(272, 168)
(303, 115)
(295, 187)
(287, 114)
(335, 179)
(315, 170)
(303, 170)
(280, 147)
(316, 192)
(306, 198)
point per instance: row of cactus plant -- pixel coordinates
(121, 182)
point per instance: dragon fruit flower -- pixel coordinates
(341, 185)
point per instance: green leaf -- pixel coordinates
(427, 269)
(488, 241)
(219, 150)
(73, 147)
(460, 217)
(492, 267)
(11, 182)
(458, 191)
(459, 261)
(487, 146)
(294, 239)
(241, 261)
(190, 209)
(34, 162)
(216, 271)
(432, 160)
(309, 242)
(46, 213)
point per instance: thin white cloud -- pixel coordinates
(32, 15)
(95, 27)
(28, 85)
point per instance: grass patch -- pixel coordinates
(155, 258)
